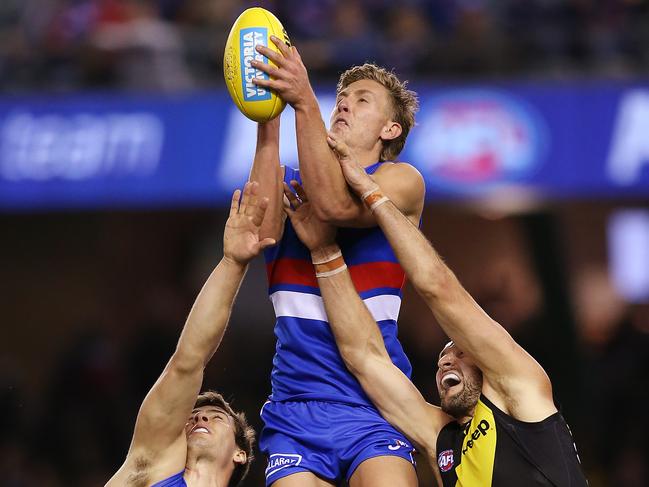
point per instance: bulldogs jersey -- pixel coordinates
(307, 365)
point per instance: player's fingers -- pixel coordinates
(245, 198)
(234, 205)
(269, 69)
(267, 83)
(281, 45)
(300, 191)
(267, 242)
(274, 56)
(252, 204)
(259, 211)
(292, 197)
(338, 145)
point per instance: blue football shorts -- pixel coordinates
(326, 438)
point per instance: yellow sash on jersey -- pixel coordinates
(478, 450)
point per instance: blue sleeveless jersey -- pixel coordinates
(307, 364)
(173, 481)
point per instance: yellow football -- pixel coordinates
(253, 27)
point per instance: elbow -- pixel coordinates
(334, 212)
(353, 359)
(185, 364)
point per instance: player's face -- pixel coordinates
(210, 430)
(363, 111)
(459, 382)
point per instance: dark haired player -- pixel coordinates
(182, 438)
(498, 425)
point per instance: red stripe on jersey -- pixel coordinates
(365, 276)
(291, 271)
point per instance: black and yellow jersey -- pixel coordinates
(496, 450)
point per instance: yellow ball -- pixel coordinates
(253, 27)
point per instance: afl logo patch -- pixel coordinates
(445, 460)
(470, 139)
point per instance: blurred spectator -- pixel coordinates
(178, 44)
(146, 51)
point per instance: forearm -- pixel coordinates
(363, 350)
(455, 310)
(421, 263)
(208, 317)
(321, 174)
(353, 326)
(266, 170)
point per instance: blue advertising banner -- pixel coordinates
(107, 151)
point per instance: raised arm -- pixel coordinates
(513, 379)
(267, 171)
(321, 173)
(359, 339)
(159, 429)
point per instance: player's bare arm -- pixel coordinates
(358, 337)
(401, 182)
(515, 381)
(321, 174)
(267, 171)
(159, 446)
(290, 80)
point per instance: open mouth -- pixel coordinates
(450, 379)
(200, 429)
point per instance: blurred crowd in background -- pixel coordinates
(178, 44)
(93, 302)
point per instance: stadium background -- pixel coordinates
(107, 238)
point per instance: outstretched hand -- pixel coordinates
(313, 232)
(354, 173)
(288, 77)
(241, 236)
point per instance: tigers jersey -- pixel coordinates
(307, 364)
(496, 450)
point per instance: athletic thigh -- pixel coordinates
(385, 471)
(302, 479)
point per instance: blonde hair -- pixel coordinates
(404, 102)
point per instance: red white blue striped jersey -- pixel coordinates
(307, 365)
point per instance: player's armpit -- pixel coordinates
(166, 408)
(516, 381)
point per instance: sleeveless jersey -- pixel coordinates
(496, 450)
(307, 364)
(173, 481)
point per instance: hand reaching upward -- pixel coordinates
(354, 173)
(241, 236)
(313, 232)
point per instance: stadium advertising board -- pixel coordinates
(94, 151)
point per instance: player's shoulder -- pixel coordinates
(403, 169)
(402, 177)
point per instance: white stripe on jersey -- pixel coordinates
(311, 306)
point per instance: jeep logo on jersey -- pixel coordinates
(278, 461)
(445, 460)
(467, 139)
(480, 431)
